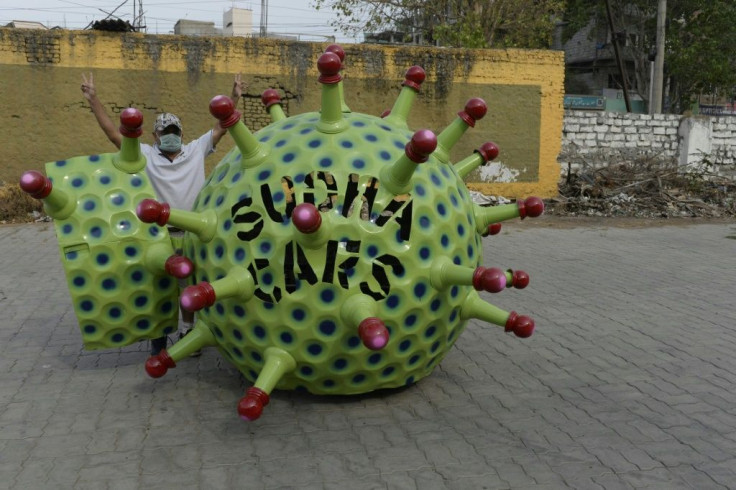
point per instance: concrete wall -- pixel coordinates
(599, 137)
(45, 117)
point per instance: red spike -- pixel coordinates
(270, 97)
(475, 109)
(36, 184)
(306, 218)
(152, 211)
(131, 123)
(197, 297)
(478, 278)
(491, 280)
(336, 49)
(521, 325)
(421, 145)
(414, 77)
(158, 365)
(329, 65)
(531, 206)
(519, 280)
(373, 332)
(488, 151)
(179, 266)
(493, 229)
(251, 405)
(223, 108)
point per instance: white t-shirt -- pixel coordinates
(178, 183)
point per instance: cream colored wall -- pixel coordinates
(44, 116)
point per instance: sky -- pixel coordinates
(284, 16)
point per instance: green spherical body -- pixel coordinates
(119, 298)
(380, 245)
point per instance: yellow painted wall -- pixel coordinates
(44, 116)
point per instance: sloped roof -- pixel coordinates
(26, 24)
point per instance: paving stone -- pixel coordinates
(628, 382)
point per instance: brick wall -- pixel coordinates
(724, 140)
(598, 138)
(45, 117)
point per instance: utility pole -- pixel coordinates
(655, 105)
(619, 62)
(264, 18)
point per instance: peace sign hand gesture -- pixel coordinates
(88, 87)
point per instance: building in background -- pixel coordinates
(26, 24)
(591, 70)
(237, 22)
(186, 27)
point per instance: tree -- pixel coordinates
(700, 35)
(457, 23)
(700, 50)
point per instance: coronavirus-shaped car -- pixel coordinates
(334, 252)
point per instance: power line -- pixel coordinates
(78, 14)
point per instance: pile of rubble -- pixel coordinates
(645, 188)
(18, 207)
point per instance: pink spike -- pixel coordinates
(531, 206)
(251, 405)
(519, 280)
(197, 297)
(521, 325)
(152, 211)
(36, 184)
(329, 66)
(373, 332)
(475, 109)
(223, 108)
(131, 123)
(179, 266)
(158, 365)
(306, 218)
(385, 113)
(270, 97)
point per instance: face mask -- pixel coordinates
(170, 143)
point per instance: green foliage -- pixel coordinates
(700, 48)
(457, 23)
(700, 39)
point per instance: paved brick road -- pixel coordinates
(629, 382)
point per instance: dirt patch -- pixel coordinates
(18, 207)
